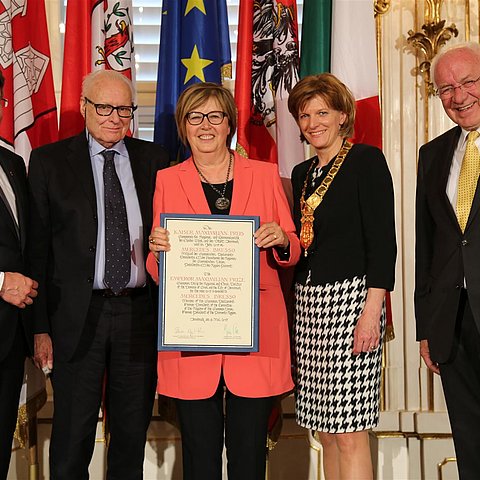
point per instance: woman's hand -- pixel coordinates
(271, 235)
(158, 241)
(366, 337)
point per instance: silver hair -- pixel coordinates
(471, 46)
(99, 75)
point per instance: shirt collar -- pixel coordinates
(463, 138)
(96, 148)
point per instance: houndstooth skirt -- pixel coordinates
(336, 391)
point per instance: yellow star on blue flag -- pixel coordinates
(200, 4)
(195, 66)
(194, 47)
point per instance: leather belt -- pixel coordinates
(126, 292)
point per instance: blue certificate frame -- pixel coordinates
(209, 284)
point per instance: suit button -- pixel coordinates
(91, 248)
(458, 287)
(464, 243)
(95, 217)
(90, 280)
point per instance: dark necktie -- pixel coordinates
(117, 237)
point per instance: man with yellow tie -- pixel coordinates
(447, 289)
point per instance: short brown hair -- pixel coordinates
(198, 94)
(335, 94)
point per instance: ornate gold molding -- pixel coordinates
(381, 7)
(429, 41)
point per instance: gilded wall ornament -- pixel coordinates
(429, 41)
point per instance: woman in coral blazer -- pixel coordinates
(218, 181)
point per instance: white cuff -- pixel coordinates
(2, 278)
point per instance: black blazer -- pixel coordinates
(444, 256)
(12, 249)
(354, 226)
(63, 230)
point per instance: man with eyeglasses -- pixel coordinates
(95, 328)
(447, 290)
(17, 291)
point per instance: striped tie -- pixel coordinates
(467, 182)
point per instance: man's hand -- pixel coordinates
(43, 357)
(425, 354)
(18, 289)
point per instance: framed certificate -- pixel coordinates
(209, 284)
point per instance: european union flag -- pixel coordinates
(194, 47)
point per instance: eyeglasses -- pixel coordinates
(449, 90)
(3, 102)
(196, 118)
(104, 109)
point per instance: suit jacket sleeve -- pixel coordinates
(378, 218)
(152, 264)
(423, 251)
(39, 239)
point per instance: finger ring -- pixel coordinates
(372, 347)
(274, 236)
(152, 241)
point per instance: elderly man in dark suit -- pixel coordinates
(16, 292)
(447, 291)
(95, 322)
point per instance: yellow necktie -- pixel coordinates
(467, 182)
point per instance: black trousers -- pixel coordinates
(461, 385)
(11, 378)
(119, 341)
(245, 423)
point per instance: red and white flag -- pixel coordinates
(267, 69)
(98, 35)
(354, 62)
(30, 119)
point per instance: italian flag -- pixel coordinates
(98, 35)
(339, 36)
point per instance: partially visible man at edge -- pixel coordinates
(447, 290)
(16, 292)
(91, 203)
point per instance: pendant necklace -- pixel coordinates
(221, 203)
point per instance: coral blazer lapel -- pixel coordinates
(192, 187)
(242, 185)
(193, 190)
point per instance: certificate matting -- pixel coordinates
(209, 284)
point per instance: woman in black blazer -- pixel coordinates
(344, 215)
